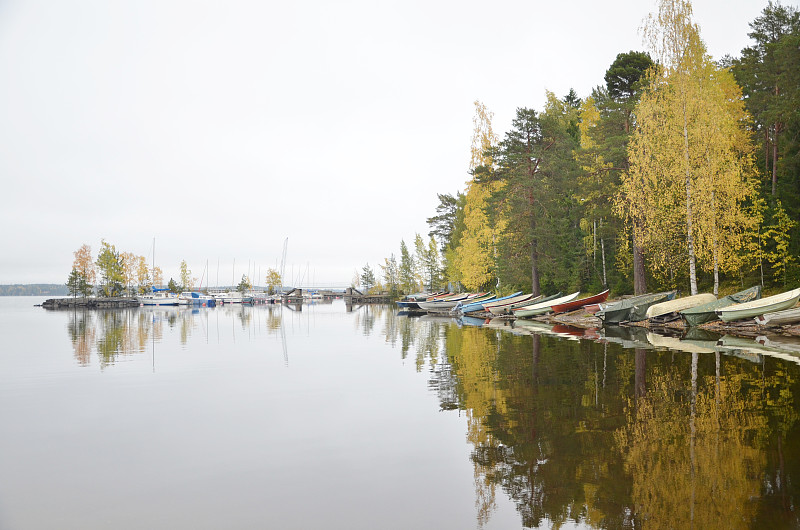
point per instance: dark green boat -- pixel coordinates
(707, 312)
(632, 309)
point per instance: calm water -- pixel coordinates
(337, 417)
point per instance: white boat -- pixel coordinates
(158, 297)
(779, 302)
(679, 304)
(228, 297)
(445, 304)
(194, 298)
(779, 318)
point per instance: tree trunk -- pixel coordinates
(603, 257)
(716, 244)
(640, 372)
(534, 270)
(689, 235)
(639, 280)
(775, 162)
(766, 150)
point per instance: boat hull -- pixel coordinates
(756, 308)
(779, 318)
(543, 307)
(679, 304)
(633, 309)
(577, 304)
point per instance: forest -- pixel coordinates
(678, 171)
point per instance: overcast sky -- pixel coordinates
(222, 128)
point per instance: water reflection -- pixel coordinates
(608, 428)
(625, 428)
(113, 334)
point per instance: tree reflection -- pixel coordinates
(81, 332)
(596, 434)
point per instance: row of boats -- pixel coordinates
(165, 297)
(656, 307)
(517, 304)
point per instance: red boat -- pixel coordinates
(577, 304)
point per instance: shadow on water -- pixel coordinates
(620, 427)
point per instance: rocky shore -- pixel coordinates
(90, 303)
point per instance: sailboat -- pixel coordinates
(158, 296)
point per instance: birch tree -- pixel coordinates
(690, 159)
(476, 252)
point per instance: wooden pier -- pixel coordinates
(354, 296)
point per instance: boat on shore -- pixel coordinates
(577, 304)
(779, 318)
(505, 306)
(544, 306)
(442, 304)
(679, 304)
(475, 304)
(506, 300)
(770, 304)
(708, 312)
(632, 309)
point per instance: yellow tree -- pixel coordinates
(129, 263)
(84, 264)
(273, 279)
(475, 255)
(158, 276)
(187, 282)
(690, 157)
(142, 273)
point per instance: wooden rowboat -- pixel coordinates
(779, 302)
(577, 304)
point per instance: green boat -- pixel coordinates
(632, 309)
(708, 312)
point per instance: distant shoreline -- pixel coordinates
(34, 289)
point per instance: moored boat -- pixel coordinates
(195, 298)
(158, 297)
(708, 312)
(228, 297)
(778, 302)
(577, 304)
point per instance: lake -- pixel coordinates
(331, 416)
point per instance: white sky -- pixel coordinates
(221, 128)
